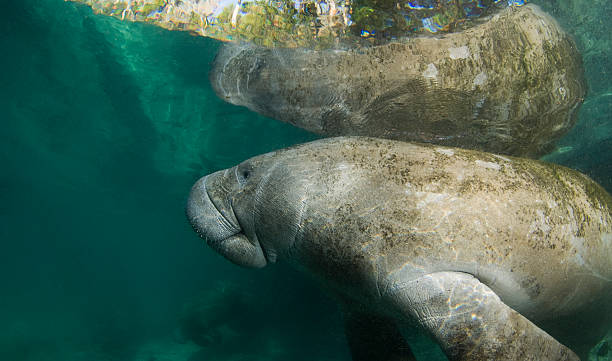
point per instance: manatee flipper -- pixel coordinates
(470, 322)
(375, 338)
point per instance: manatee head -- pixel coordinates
(248, 213)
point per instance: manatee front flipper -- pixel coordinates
(470, 322)
(375, 338)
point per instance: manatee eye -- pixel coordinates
(243, 173)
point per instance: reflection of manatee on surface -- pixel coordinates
(472, 247)
(510, 85)
(310, 23)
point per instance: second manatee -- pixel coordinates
(510, 85)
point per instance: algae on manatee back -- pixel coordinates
(294, 23)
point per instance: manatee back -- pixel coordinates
(540, 235)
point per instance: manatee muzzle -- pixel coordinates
(205, 218)
(219, 226)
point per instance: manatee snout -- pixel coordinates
(236, 74)
(206, 218)
(210, 212)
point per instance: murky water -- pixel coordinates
(105, 127)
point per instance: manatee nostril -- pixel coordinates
(206, 219)
(246, 174)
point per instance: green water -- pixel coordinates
(104, 128)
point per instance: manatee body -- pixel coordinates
(473, 247)
(510, 85)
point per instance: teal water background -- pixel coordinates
(104, 128)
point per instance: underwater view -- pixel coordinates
(441, 237)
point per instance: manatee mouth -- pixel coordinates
(206, 219)
(218, 225)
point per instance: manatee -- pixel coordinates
(511, 85)
(492, 256)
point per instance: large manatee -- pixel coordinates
(511, 85)
(490, 255)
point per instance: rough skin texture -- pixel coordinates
(511, 85)
(473, 247)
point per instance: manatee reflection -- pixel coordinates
(293, 23)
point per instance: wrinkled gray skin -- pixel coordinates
(511, 85)
(472, 247)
